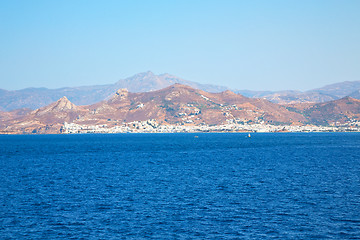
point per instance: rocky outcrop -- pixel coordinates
(120, 96)
(61, 105)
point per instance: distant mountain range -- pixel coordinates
(34, 98)
(178, 105)
(324, 94)
(143, 82)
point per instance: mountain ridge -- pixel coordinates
(34, 98)
(178, 105)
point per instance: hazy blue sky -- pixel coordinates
(258, 45)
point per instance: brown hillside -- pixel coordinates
(340, 111)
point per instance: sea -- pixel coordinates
(180, 186)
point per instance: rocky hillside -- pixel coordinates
(48, 119)
(290, 97)
(339, 111)
(339, 90)
(184, 104)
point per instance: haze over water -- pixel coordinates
(176, 186)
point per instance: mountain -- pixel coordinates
(176, 104)
(339, 111)
(289, 97)
(339, 90)
(148, 81)
(48, 119)
(179, 103)
(355, 94)
(34, 98)
(319, 95)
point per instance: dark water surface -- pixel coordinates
(176, 186)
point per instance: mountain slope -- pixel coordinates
(339, 90)
(355, 94)
(179, 104)
(48, 119)
(289, 97)
(341, 111)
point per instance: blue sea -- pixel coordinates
(180, 186)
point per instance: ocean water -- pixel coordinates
(178, 186)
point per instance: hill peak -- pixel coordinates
(228, 92)
(148, 74)
(63, 99)
(122, 91)
(120, 95)
(63, 104)
(350, 99)
(179, 86)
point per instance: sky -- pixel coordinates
(255, 45)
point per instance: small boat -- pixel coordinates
(196, 137)
(249, 136)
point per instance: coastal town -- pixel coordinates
(151, 126)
